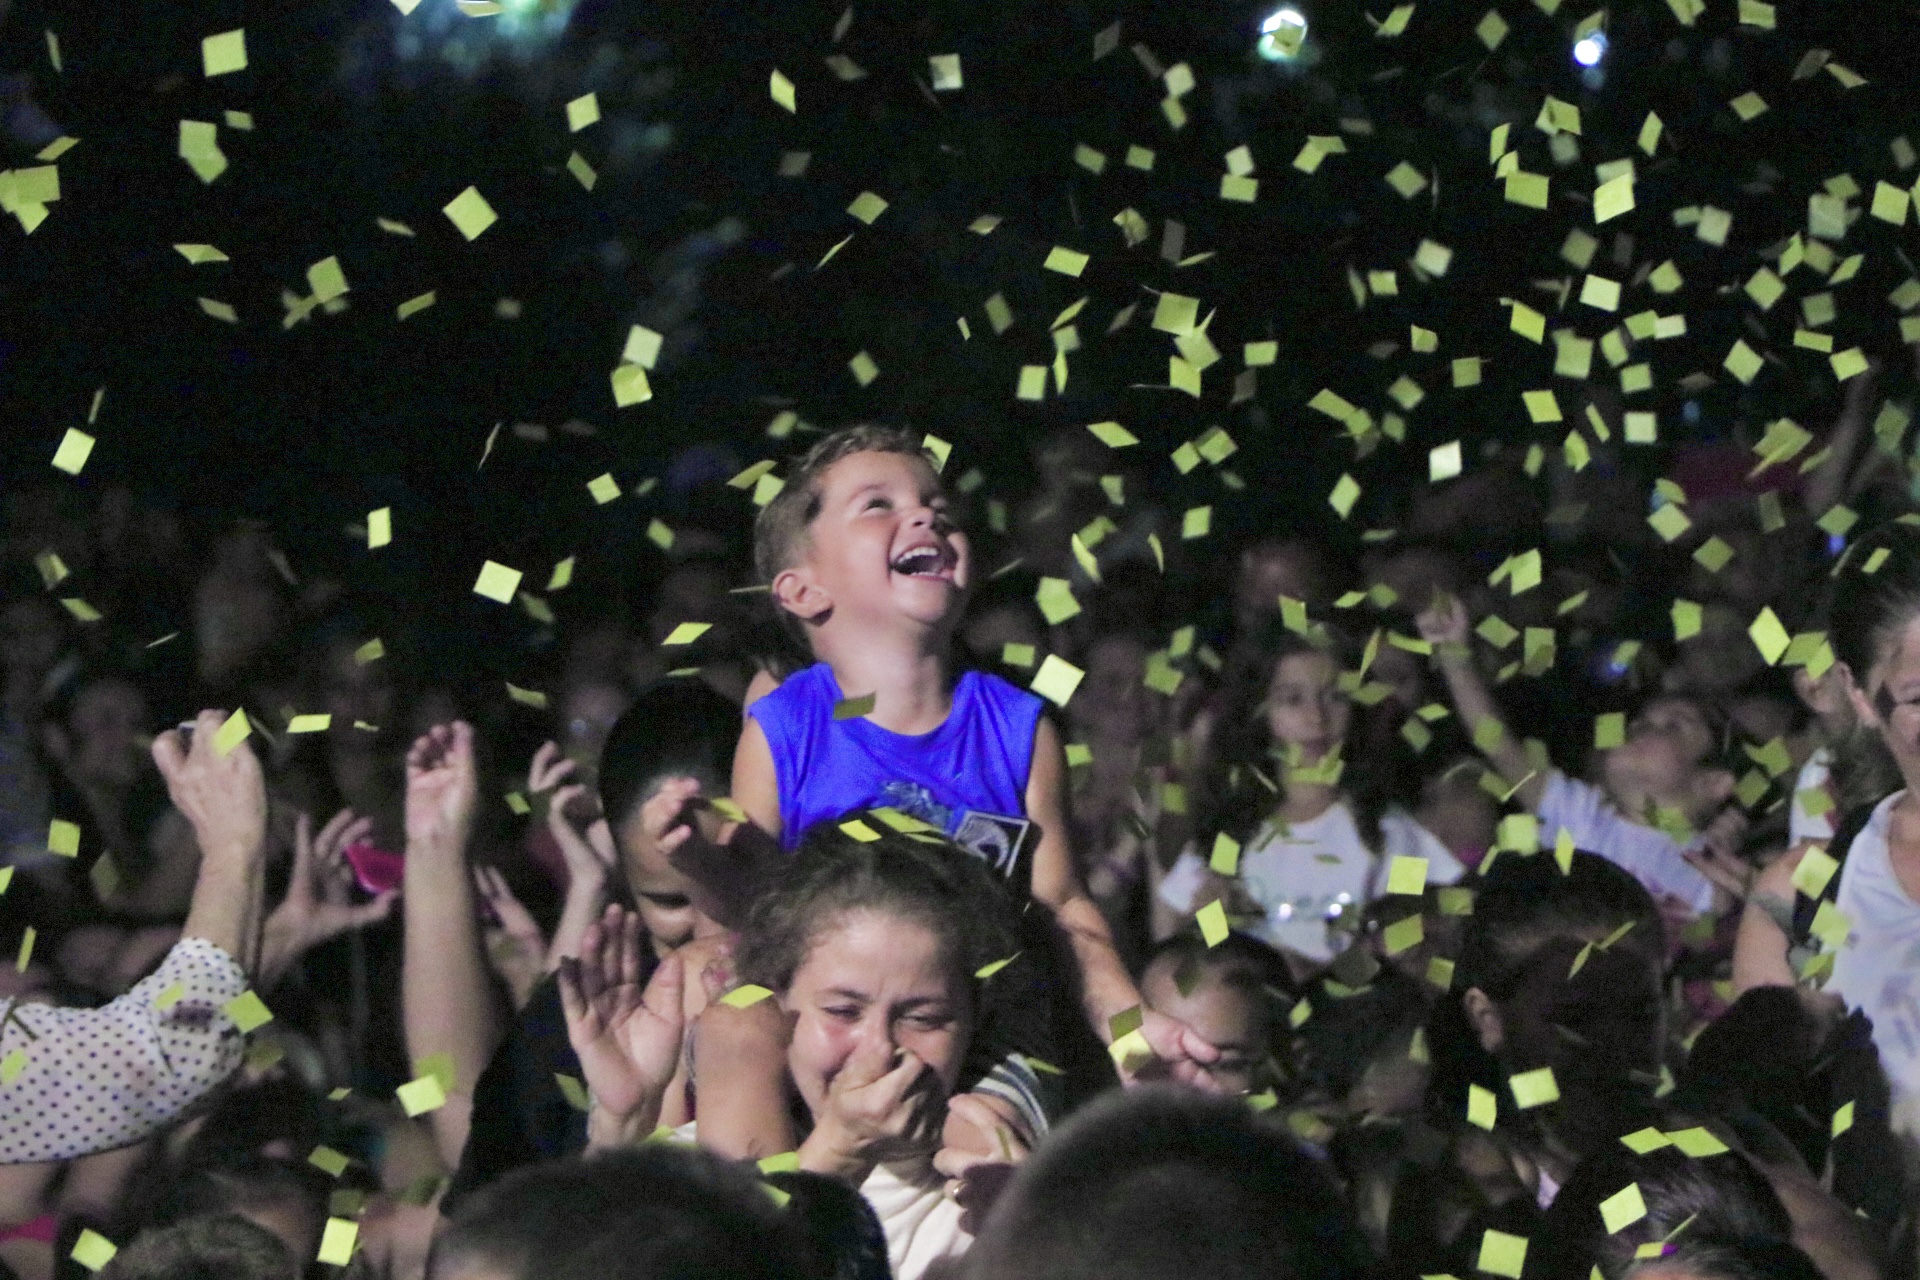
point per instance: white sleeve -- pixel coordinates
(75, 1081)
(1181, 885)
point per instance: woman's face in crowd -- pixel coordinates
(1305, 708)
(1889, 698)
(872, 977)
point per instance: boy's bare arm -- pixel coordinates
(1444, 626)
(756, 787)
(1106, 987)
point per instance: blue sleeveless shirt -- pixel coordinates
(968, 776)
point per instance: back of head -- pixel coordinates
(1523, 903)
(1705, 1257)
(660, 1211)
(1160, 1183)
(212, 1248)
(1721, 1197)
(678, 727)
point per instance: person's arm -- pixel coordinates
(740, 1080)
(1106, 988)
(1444, 626)
(225, 799)
(1828, 482)
(446, 1001)
(589, 854)
(1760, 948)
(756, 786)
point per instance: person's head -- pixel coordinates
(1281, 707)
(220, 1247)
(1875, 634)
(679, 729)
(1533, 987)
(1160, 1183)
(1674, 757)
(876, 943)
(1720, 1197)
(660, 1211)
(283, 1196)
(859, 538)
(1112, 707)
(1226, 993)
(1275, 567)
(98, 740)
(588, 711)
(237, 606)
(1702, 1257)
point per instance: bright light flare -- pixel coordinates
(1282, 33)
(1590, 48)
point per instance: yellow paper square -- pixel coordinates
(1769, 636)
(1466, 371)
(232, 733)
(1611, 199)
(745, 996)
(867, 206)
(1815, 871)
(328, 1161)
(1346, 491)
(247, 1011)
(1527, 322)
(1697, 1143)
(75, 447)
(1623, 1208)
(1212, 920)
(1528, 189)
(93, 1250)
(224, 53)
(1066, 261)
(782, 90)
(583, 111)
(1848, 363)
(1057, 679)
(630, 386)
(63, 838)
(470, 212)
(310, 724)
(497, 582)
(1403, 935)
(338, 1240)
(1743, 362)
(864, 369)
(1482, 1108)
(1492, 29)
(1600, 293)
(1502, 1254)
(1541, 406)
(1443, 462)
(418, 1097)
(1534, 1088)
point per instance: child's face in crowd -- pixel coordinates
(1305, 708)
(662, 893)
(882, 548)
(1113, 705)
(1226, 1017)
(873, 977)
(1661, 756)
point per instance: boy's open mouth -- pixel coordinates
(929, 561)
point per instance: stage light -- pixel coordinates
(1282, 33)
(1590, 48)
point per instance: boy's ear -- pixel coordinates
(798, 592)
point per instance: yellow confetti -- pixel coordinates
(418, 1097)
(583, 111)
(745, 996)
(1622, 1209)
(63, 838)
(93, 1250)
(1502, 1254)
(1057, 679)
(1748, 105)
(470, 212)
(75, 448)
(782, 90)
(1066, 261)
(867, 206)
(1212, 920)
(225, 53)
(248, 1012)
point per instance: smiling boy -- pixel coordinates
(862, 556)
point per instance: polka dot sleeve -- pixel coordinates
(74, 1081)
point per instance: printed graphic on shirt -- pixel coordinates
(993, 838)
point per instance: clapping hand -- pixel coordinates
(628, 1039)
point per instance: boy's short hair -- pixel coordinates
(224, 1247)
(1161, 1183)
(682, 1213)
(782, 523)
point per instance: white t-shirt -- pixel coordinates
(1877, 970)
(1308, 873)
(1649, 854)
(1802, 825)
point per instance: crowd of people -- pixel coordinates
(935, 891)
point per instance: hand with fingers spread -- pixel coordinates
(628, 1039)
(442, 790)
(516, 948)
(224, 797)
(885, 1104)
(319, 905)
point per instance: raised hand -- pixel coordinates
(589, 853)
(319, 905)
(628, 1039)
(224, 797)
(442, 789)
(1444, 623)
(1179, 1053)
(516, 949)
(1718, 857)
(885, 1104)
